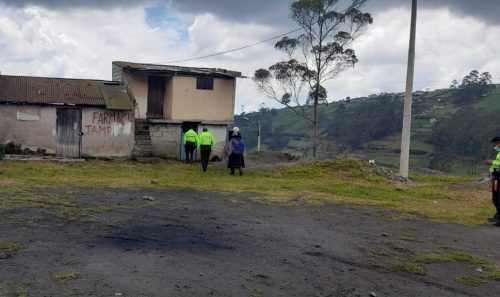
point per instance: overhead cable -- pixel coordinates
(235, 49)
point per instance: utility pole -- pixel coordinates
(405, 136)
(258, 136)
(258, 131)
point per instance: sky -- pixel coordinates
(80, 39)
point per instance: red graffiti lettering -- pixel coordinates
(102, 123)
(87, 129)
(106, 120)
(103, 130)
(94, 116)
(94, 131)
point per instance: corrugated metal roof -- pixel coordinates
(49, 90)
(114, 97)
(178, 70)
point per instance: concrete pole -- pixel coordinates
(258, 136)
(405, 137)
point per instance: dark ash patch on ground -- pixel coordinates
(189, 243)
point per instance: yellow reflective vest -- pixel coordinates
(190, 136)
(206, 138)
(495, 164)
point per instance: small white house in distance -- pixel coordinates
(69, 118)
(172, 99)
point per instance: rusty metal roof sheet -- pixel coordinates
(178, 70)
(49, 90)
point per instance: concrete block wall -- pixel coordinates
(31, 126)
(165, 139)
(117, 72)
(219, 132)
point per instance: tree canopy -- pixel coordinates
(315, 56)
(473, 86)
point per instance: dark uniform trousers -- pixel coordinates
(189, 148)
(495, 190)
(205, 151)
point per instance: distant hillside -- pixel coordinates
(448, 134)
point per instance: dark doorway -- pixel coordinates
(190, 125)
(186, 126)
(156, 96)
(69, 132)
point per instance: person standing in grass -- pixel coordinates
(190, 144)
(234, 149)
(207, 143)
(495, 181)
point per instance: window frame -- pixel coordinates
(205, 83)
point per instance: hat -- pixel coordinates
(495, 139)
(236, 129)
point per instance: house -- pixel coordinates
(69, 118)
(172, 99)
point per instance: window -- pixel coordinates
(205, 83)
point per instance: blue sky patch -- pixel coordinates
(158, 16)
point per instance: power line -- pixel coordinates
(244, 47)
(235, 49)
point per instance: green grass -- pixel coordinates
(59, 202)
(403, 259)
(65, 276)
(459, 257)
(21, 293)
(413, 268)
(491, 102)
(490, 269)
(469, 280)
(12, 247)
(51, 185)
(6, 291)
(445, 111)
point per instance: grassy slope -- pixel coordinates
(491, 102)
(433, 105)
(422, 127)
(334, 182)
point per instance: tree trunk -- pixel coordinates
(315, 133)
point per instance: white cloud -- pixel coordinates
(209, 34)
(83, 42)
(77, 43)
(448, 47)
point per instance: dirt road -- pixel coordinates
(187, 243)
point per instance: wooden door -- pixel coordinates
(69, 131)
(156, 95)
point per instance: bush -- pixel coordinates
(2, 153)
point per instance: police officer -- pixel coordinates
(495, 173)
(207, 142)
(190, 144)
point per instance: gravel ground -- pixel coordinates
(189, 243)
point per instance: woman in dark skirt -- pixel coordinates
(234, 149)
